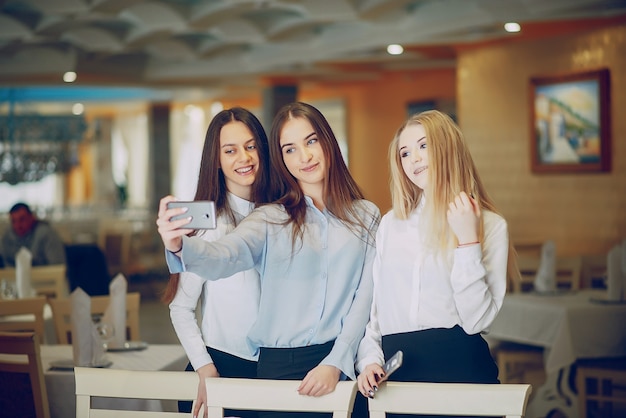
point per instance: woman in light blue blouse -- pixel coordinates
(313, 249)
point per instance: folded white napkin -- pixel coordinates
(545, 280)
(614, 278)
(86, 342)
(115, 314)
(23, 264)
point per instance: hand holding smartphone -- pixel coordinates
(392, 364)
(202, 213)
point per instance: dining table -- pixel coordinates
(569, 325)
(61, 386)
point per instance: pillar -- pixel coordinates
(275, 97)
(160, 176)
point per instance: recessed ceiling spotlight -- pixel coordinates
(512, 27)
(69, 77)
(395, 49)
(78, 109)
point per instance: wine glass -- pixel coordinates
(7, 290)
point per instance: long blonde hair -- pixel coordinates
(451, 170)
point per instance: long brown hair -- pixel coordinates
(451, 170)
(340, 189)
(211, 180)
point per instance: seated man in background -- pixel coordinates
(37, 236)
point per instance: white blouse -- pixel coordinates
(228, 308)
(415, 289)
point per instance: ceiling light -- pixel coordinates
(395, 49)
(512, 27)
(78, 109)
(69, 77)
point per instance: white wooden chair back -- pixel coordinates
(132, 384)
(251, 394)
(450, 399)
(19, 315)
(568, 272)
(50, 281)
(275, 395)
(62, 311)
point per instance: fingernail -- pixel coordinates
(375, 388)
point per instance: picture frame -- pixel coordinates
(447, 106)
(570, 123)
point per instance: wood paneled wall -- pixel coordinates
(582, 213)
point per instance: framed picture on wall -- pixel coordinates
(447, 106)
(570, 123)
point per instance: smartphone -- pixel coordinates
(392, 364)
(202, 214)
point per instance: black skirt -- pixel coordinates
(227, 366)
(441, 355)
(291, 364)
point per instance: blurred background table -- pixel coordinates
(569, 326)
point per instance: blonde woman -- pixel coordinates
(440, 271)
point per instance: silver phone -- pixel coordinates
(393, 364)
(202, 212)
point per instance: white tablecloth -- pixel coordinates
(570, 325)
(61, 385)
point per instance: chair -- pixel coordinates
(113, 383)
(449, 399)
(50, 281)
(23, 315)
(253, 394)
(275, 395)
(27, 345)
(568, 272)
(516, 360)
(62, 310)
(114, 239)
(601, 385)
(593, 271)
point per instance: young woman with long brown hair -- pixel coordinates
(235, 174)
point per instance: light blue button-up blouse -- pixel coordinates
(318, 291)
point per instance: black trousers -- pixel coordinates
(441, 355)
(228, 366)
(291, 364)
